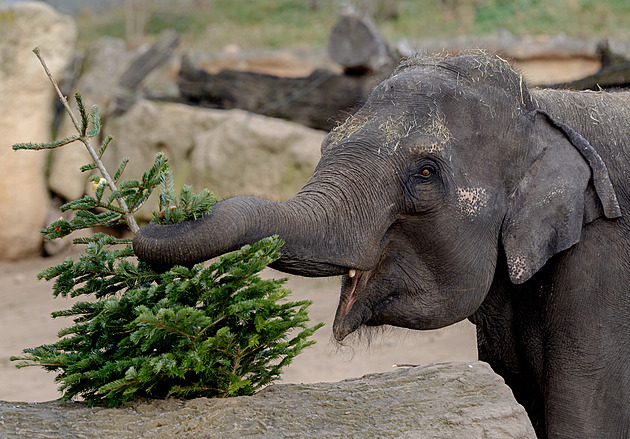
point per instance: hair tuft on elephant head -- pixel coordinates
(459, 192)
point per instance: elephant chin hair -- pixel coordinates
(363, 336)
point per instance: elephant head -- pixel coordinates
(415, 194)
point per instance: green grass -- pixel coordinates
(294, 24)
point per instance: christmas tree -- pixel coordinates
(216, 330)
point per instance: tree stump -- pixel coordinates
(157, 55)
(356, 44)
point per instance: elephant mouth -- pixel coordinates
(352, 312)
(307, 268)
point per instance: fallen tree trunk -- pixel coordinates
(319, 101)
(617, 76)
(615, 72)
(452, 400)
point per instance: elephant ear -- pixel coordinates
(565, 187)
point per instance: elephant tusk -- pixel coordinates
(352, 273)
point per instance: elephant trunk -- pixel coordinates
(190, 242)
(315, 244)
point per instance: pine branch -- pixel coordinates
(85, 139)
(88, 167)
(104, 146)
(46, 145)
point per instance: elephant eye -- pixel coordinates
(424, 185)
(426, 171)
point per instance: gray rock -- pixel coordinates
(451, 400)
(232, 152)
(256, 155)
(25, 116)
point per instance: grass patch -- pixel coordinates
(294, 24)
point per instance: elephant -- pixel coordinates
(458, 192)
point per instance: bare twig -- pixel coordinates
(85, 139)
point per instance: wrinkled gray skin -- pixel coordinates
(456, 192)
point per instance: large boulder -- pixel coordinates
(26, 98)
(452, 400)
(232, 152)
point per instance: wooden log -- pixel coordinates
(356, 44)
(319, 101)
(157, 55)
(616, 76)
(128, 91)
(615, 72)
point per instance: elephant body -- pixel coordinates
(562, 339)
(457, 192)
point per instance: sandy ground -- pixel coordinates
(26, 304)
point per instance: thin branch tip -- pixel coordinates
(82, 130)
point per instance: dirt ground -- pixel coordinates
(26, 304)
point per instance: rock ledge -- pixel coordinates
(450, 400)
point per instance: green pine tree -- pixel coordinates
(216, 330)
